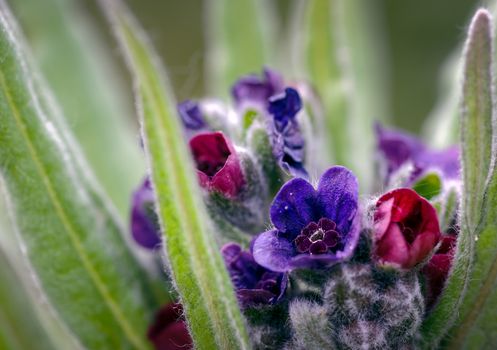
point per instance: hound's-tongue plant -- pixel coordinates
(330, 270)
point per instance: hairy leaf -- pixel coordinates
(196, 265)
(75, 248)
(464, 284)
(87, 85)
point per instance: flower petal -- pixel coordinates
(294, 206)
(144, 223)
(392, 248)
(272, 251)
(338, 196)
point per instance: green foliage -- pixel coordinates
(75, 248)
(240, 35)
(195, 262)
(88, 88)
(471, 276)
(342, 58)
(429, 186)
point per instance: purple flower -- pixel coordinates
(286, 138)
(145, 227)
(256, 91)
(398, 148)
(254, 284)
(313, 228)
(191, 116)
(280, 107)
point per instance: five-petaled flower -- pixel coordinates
(253, 283)
(169, 331)
(406, 229)
(313, 227)
(218, 165)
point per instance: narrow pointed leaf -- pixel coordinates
(239, 40)
(196, 265)
(89, 89)
(340, 50)
(75, 248)
(467, 278)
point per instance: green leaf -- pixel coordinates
(466, 278)
(240, 37)
(340, 46)
(89, 89)
(429, 186)
(196, 264)
(75, 248)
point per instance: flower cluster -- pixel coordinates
(294, 247)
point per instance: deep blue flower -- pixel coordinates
(191, 116)
(145, 227)
(280, 107)
(398, 148)
(253, 283)
(313, 227)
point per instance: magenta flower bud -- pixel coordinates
(437, 269)
(406, 229)
(168, 331)
(218, 165)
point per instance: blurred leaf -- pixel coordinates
(240, 38)
(197, 267)
(74, 247)
(341, 48)
(441, 128)
(19, 327)
(467, 284)
(428, 186)
(30, 317)
(77, 63)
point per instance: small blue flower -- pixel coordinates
(313, 228)
(145, 227)
(254, 284)
(398, 148)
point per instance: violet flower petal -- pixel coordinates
(272, 251)
(191, 116)
(256, 90)
(338, 193)
(144, 223)
(294, 206)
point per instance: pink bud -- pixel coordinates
(406, 229)
(218, 166)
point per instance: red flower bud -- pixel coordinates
(169, 330)
(437, 269)
(406, 229)
(218, 166)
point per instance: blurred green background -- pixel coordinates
(419, 35)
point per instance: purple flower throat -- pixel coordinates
(318, 238)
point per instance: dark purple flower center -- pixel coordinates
(318, 238)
